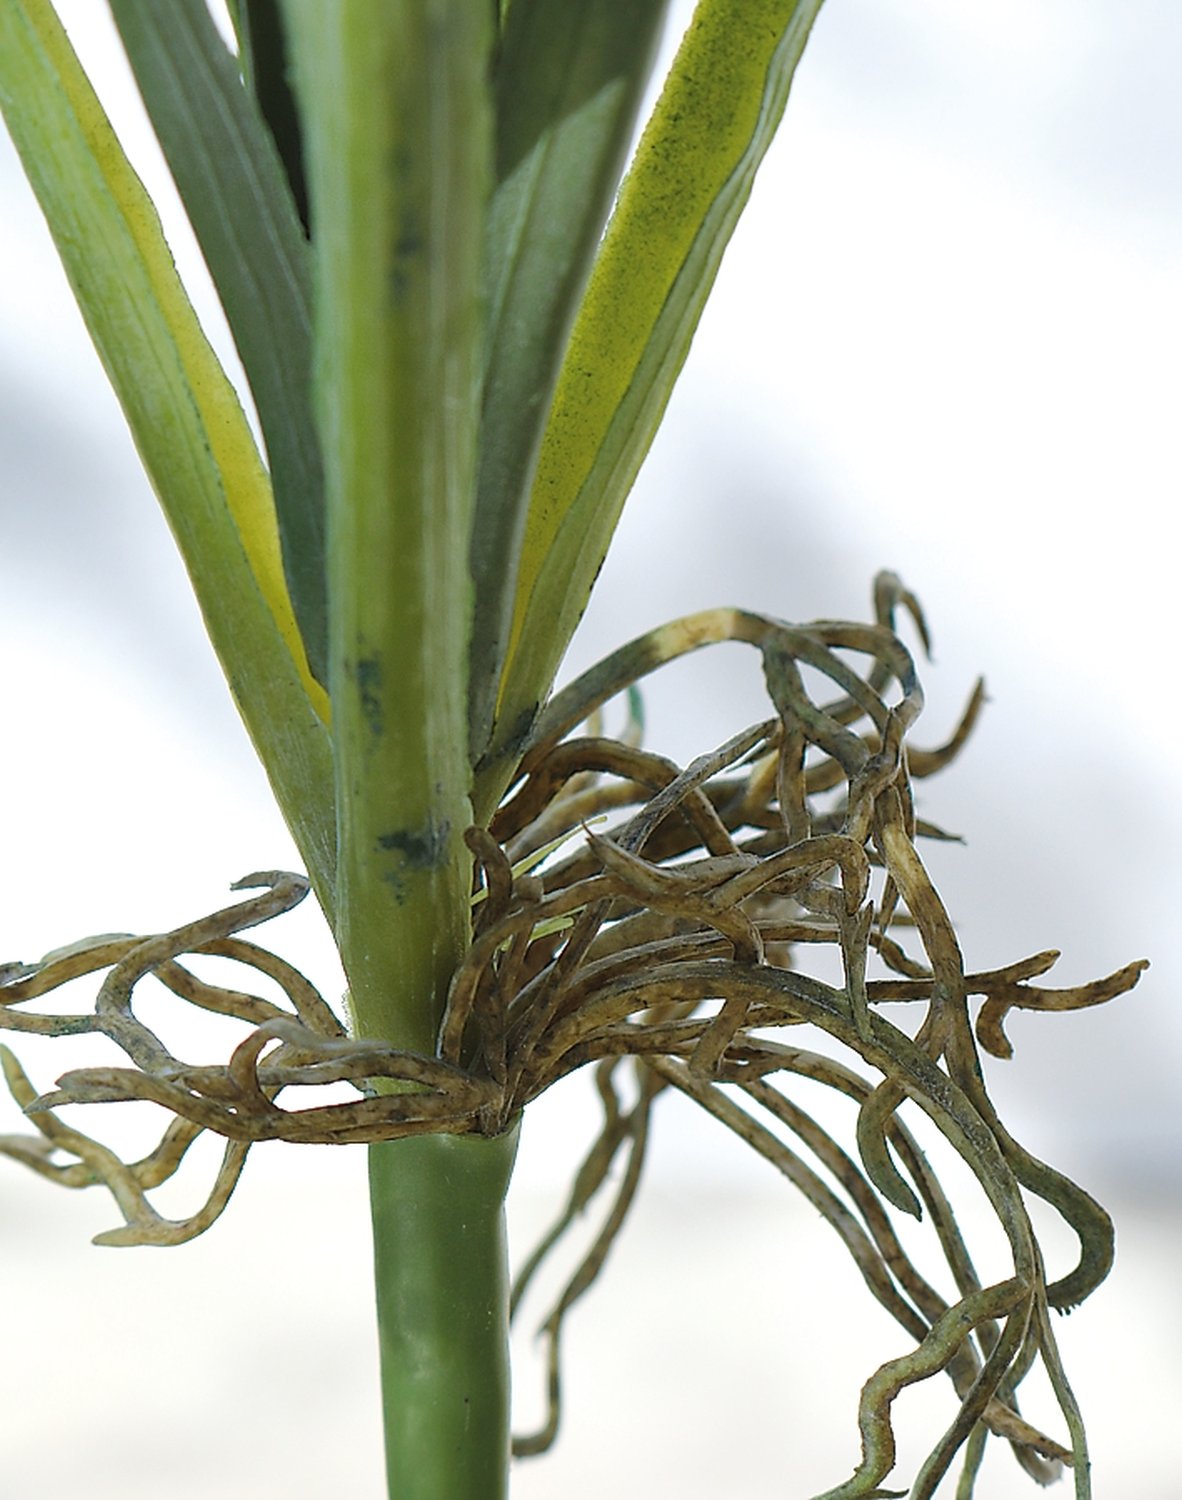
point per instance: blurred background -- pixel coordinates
(944, 340)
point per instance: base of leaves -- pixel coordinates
(674, 946)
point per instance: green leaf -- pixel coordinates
(235, 190)
(185, 418)
(394, 100)
(567, 87)
(264, 60)
(683, 195)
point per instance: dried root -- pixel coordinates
(671, 947)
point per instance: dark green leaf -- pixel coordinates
(266, 68)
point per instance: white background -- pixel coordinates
(945, 340)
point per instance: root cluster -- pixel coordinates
(669, 949)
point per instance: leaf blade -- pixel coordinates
(567, 87)
(184, 416)
(265, 66)
(693, 171)
(236, 193)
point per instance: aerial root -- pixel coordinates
(668, 949)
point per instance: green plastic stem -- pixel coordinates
(441, 1274)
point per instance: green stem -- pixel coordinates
(394, 106)
(441, 1273)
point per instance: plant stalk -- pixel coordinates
(394, 104)
(441, 1275)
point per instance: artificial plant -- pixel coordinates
(460, 319)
